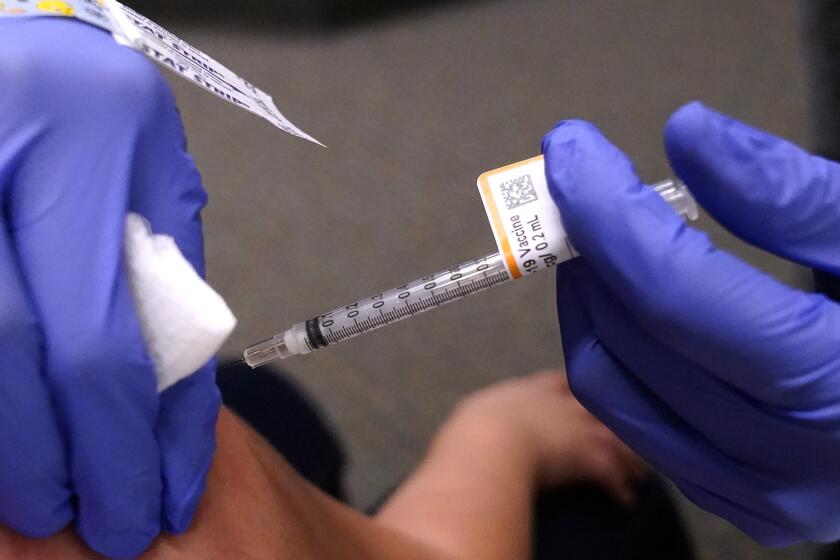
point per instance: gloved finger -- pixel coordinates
(186, 431)
(611, 392)
(645, 422)
(757, 524)
(741, 428)
(167, 190)
(763, 188)
(685, 387)
(35, 493)
(71, 196)
(703, 303)
(102, 380)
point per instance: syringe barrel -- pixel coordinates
(408, 300)
(419, 296)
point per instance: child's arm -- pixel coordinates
(473, 495)
(471, 498)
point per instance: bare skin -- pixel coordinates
(470, 498)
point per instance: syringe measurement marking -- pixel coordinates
(414, 308)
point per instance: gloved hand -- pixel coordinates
(724, 379)
(88, 132)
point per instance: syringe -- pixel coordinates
(408, 300)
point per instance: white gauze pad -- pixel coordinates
(184, 321)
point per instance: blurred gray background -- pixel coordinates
(414, 106)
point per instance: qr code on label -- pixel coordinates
(518, 192)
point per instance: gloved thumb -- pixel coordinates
(764, 189)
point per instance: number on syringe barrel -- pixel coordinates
(352, 310)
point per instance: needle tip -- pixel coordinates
(233, 364)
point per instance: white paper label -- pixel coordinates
(525, 221)
(138, 32)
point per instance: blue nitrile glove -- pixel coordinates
(724, 379)
(88, 132)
